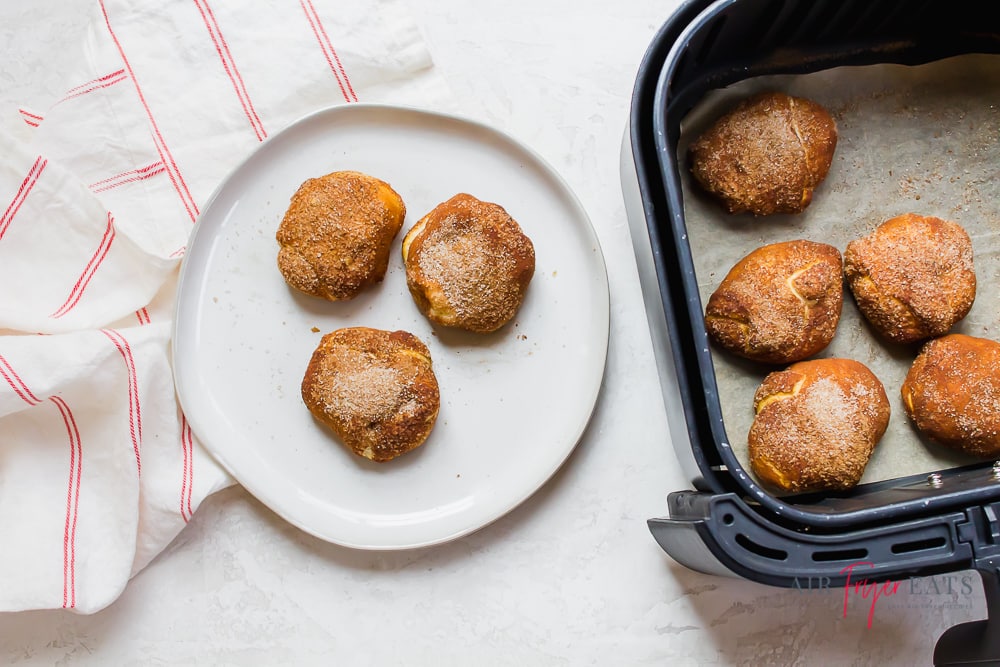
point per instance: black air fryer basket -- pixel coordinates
(911, 526)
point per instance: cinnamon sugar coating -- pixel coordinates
(779, 304)
(913, 277)
(468, 264)
(767, 155)
(816, 424)
(952, 393)
(336, 235)
(376, 389)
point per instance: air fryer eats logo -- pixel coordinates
(857, 587)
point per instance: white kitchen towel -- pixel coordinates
(98, 194)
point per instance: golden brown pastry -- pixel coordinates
(376, 390)
(816, 425)
(912, 277)
(952, 393)
(336, 235)
(766, 155)
(468, 264)
(781, 303)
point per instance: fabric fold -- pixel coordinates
(99, 192)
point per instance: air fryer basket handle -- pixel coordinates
(978, 642)
(722, 534)
(746, 543)
(975, 642)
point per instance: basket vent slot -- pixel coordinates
(760, 549)
(919, 545)
(840, 554)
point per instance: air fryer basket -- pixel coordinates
(903, 527)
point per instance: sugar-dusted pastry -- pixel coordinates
(952, 393)
(816, 425)
(468, 264)
(766, 155)
(912, 277)
(336, 235)
(376, 389)
(779, 304)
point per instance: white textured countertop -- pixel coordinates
(570, 577)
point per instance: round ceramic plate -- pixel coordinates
(514, 403)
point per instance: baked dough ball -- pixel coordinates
(781, 303)
(336, 235)
(468, 264)
(816, 425)
(766, 155)
(952, 393)
(912, 277)
(376, 390)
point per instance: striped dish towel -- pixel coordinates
(98, 194)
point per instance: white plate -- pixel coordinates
(513, 403)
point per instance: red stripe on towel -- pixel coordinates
(101, 79)
(134, 409)
(72, 503)
(22, 193)
(131, 176)
(228, 64)
(16, 383)
(190, 485)
(161, 146)
(186, 479)
(96, 84)
(328, 51)
(89, 270)
(32, 119)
